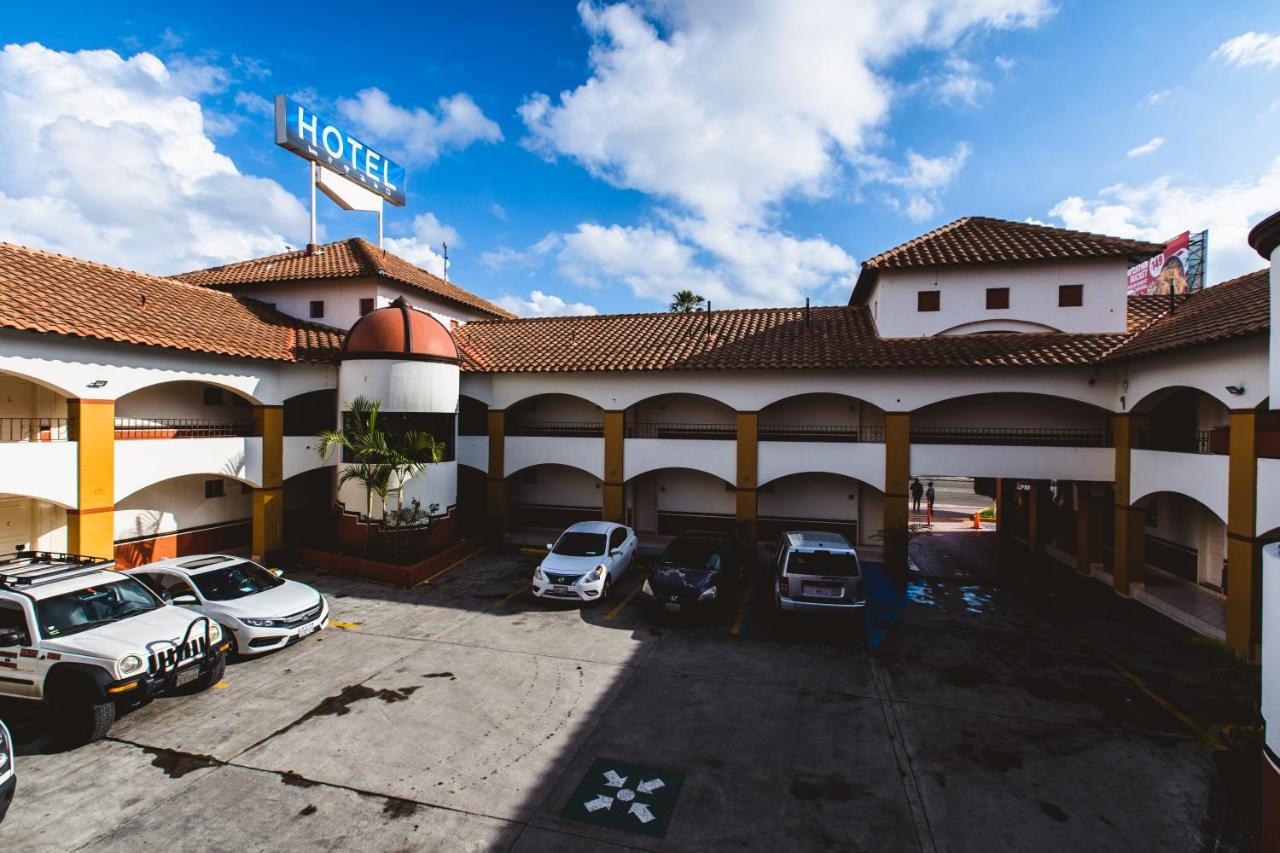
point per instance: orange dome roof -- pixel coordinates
(399, 331)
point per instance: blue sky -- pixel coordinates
(600, 157)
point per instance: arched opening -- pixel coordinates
(473, 416)
(672, 501)
(184, 409)
(1183, 420)
(820, 501)
(29, 523)
(1185, 540)
(553, 496)
(554, 415)
(681, 416)
(311, 413)
(30, 411)
(821, 417)
(193, 514)
(1010, 419)
(309, 507)
(473, 502)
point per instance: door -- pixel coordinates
(617, 542)
(15, 524)
(19, 674)
(645, 494)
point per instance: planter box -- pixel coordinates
(406, 576)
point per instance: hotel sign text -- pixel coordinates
(309, 135)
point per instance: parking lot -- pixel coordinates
(1006, 704)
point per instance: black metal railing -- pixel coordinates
(1026, 436)
(131, 428)
(33, 429)
(820, 432)
(727, 432)
(1202, 441)
(569, 429)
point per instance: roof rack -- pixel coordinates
(36, 568)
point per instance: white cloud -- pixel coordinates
(498, 211)
(1164, 208)
(1148, 147)
(1005, 63)
(1251, 49)
(418, 134)
(420, 247)
(541, 304)
(110, 158)
(959, 84)
(921, 179)
(1154, 98)
(253, 103)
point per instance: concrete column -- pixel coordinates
(613, 508)
(1035, 530)
(496, 498)
(268, 499)
(1244, 553)
(897, 486)
(1131, 526)
(91, 525)
(999, 505)
(746, 485)
(1088, 528)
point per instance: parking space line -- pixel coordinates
(523, 588)
(452, 565)
(740, 621)
(608, 617)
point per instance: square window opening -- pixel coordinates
(928, 300)
(214, 489)
(317, 309)
(997, 298)
(1070, 295)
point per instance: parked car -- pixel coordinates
(817, 571)
(695, 569)
(257, 607)
(8, 774)
(585, 561)
(83, 638)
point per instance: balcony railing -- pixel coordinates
(566, 429)
(820, 432)
(137, 428)
(677, 430)
(1024, 436)
(33, 429)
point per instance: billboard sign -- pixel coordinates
(1178, 269)
(310, 136)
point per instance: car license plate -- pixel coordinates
(559, 588)
(673, 606)
(186, 676)
(824, 591)
(304, 631)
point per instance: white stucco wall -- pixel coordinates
(179, 504)
(555, 407)
(301, 454)
(182, 400)
(681, 490)
(31, 524)
(40, 469)
(1268, 495)
(400, 386)
(820, 497)
(473, 451)
(820, 410)
(555, 485)
(520, 452)
(1208, 368)
(144, 462)
(1271, 645)
(1010, 410)
(862, 461)
(1201, 476)
(715, 457)
(1027, 463)
(438, 484)
(1033, 297)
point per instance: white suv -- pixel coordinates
(84, 638)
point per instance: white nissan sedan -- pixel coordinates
(585, 561)
(257, 608)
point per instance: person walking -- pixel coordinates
(917, 492)
(929, 495)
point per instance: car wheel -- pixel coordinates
(230, 637)
(608, 587)
(79, 718)
(212, 677)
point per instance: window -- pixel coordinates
(317, 309)
(617, 537)
(997, 297)
(1070, 295)
(213, 396)
(12, 618)
(214, 489)
(442, 426)
(366, 305)
(246, 489)
(928, 300)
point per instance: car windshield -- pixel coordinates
(573, 544)
(822, 563)
(692, 554)
(73, 612)
(234, 581)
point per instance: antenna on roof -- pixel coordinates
(708, 318)
(445, 246)
(806, 313)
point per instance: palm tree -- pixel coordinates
(685, 302)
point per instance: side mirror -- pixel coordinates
(277, 572)
(615, 552)
(184, 600)
(13, 637)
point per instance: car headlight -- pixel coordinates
(646, 589)
(707, 594)
(215, 632)
(538, 575)
(259, 623)
(130, 664)
(594, 575)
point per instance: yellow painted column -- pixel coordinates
(1088, 528)
(496, 487)
(897, 482)
(1244, 552)
(1130, 551)
(746, 487)
(268, 499)
(91, 525)
(614, 442)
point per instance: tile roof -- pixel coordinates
(1233, 309)
(46, 292)
(353, 258)
(984, 240)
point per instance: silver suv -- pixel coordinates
(817, 571)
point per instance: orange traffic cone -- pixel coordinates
(977, 521)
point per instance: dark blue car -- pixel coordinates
(694, 570)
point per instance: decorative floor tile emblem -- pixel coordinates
(625, 796)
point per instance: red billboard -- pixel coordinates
(1178, 269)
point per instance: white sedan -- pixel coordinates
(585, 561)
(256, 607)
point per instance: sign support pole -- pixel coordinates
(311, 171)
(379, 223)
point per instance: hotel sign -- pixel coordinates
(309, 135)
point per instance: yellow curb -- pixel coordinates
(618, 607)
(346, 626)
(509, 596)
(222, 685)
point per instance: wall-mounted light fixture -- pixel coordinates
(1235, 390)
(97, 383)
